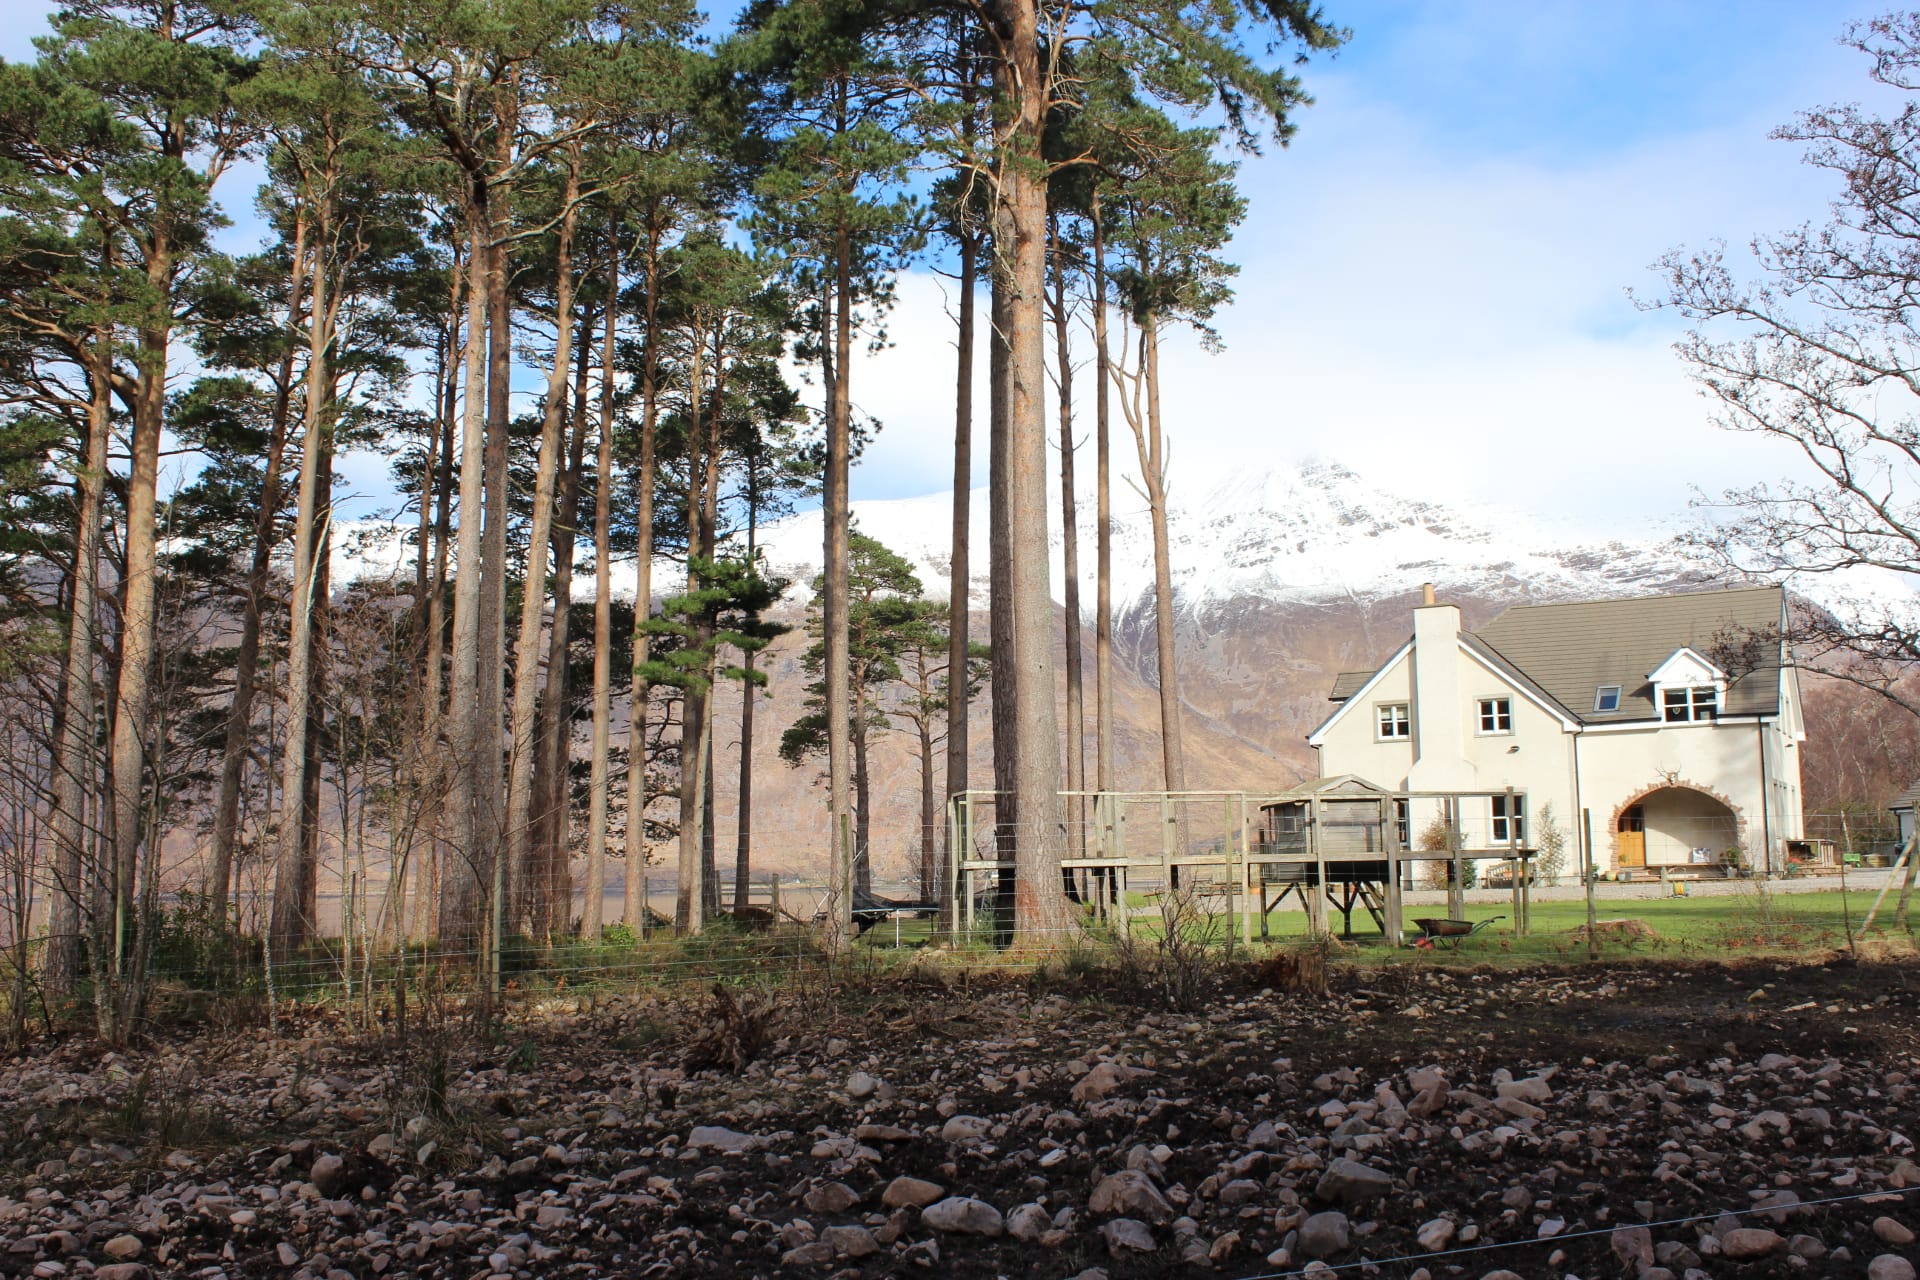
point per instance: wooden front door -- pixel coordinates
(1632, 846)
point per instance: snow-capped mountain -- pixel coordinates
(1318, 534)
(1283, 579)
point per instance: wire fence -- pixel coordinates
(1192, 868)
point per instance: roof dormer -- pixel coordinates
(1688, 687)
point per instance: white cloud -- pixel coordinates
(1450, 318)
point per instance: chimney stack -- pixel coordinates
(1426, 594)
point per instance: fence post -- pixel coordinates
(1390, 829)
(1456, 838)
(1317, 899)
(1246, 870)
(1169, 874)
(1587, 875)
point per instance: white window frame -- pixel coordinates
(1600, 694)
(1696, 703)
(1403, 722)
(1494, 716)
(1497, 828)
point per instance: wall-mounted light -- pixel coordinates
(1514, 748)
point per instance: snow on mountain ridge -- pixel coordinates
(1317, 533)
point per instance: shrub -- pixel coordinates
(1551, 860)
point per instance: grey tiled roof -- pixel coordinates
(1564, 653)
(1571, 650)
(1348, 683)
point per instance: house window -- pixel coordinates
(1496, 715)
(1393, 720)
(1607, 698)
(1693, 702)
(1510, 819)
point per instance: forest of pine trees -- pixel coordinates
(594, 280)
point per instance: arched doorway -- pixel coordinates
(1675, 826)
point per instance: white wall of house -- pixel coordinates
(1352, 743)
(1535, 757)
(1720, 758)
(1701, 784)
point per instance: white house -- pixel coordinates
(1614, 709)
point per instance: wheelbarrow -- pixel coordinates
(1433, 931)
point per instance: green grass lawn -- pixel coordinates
(1704, 927)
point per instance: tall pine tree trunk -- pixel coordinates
(638, 690)
(430, 762)
(710, 540)
(929, 807)
(743, 835)
(1032, 773)
(292, 922)
(960, 588)
(591, 918)
(1153, 465)
(690, 898)
(74, 762)
(461, 867)
(523, 878)
(553, 781)
(119, 1002)
(305, 890)
(835, 565)
(1103, 519)
(1142, 409)
(239, 737)
(490, 852)
(1070, 551)
(1004, 688)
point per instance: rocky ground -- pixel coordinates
(1747, 1121)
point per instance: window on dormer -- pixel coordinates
(1690, 702)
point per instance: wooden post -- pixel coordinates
(1247, 902)
(1317, 897)
(1390, 828)
(1168, 872)
(965, 803)
(773, 895)
(1519, 926)
(1906, 856)
(951, 916)
(1456, 886)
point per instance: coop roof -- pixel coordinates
(1908, 799)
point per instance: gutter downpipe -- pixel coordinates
(1578, 807)
(1766, 794)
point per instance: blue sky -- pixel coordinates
(1435, 273)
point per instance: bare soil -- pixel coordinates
(558, 1142)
